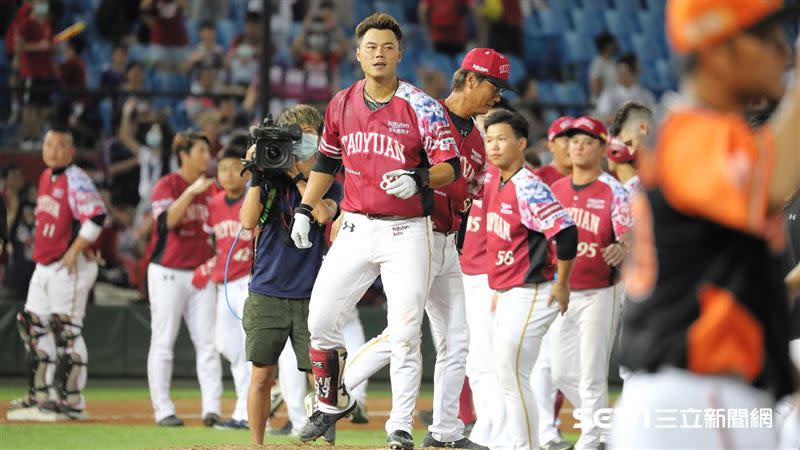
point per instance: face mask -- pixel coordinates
(305, 148)
(153, 137)
(244, 51)
(41, 9)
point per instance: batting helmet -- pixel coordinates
(619, 152)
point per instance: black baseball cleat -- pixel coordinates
(170, 421)
(319, 422)
(211, 419)
(400, 440)
(429, 441)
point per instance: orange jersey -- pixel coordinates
(701, 277)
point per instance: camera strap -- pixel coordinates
(267, 207)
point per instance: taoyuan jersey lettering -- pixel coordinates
(410, 131)
(601, 211)
(223, 223)
(454, 199)
(186, 246)
(473, 255)
(65, 200)
(522, 215)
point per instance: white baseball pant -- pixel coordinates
(487, 395)
(581, 348)
(172, 297)
(294, 385)
(668, 409)
(788, 410)
(522, 317)
(445, 309)
(53, 290)
(400, 252)
(230, 339)
(545, 392)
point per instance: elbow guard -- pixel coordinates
(567, 243)
(90, 229)
(456, 163)
(326, 164)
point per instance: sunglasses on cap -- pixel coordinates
(497, 89)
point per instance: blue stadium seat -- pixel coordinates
(3, 57)
(655, 5)
(437, 61)
(565, 5)
(179, 119)
(621, 22)
(518, 71)
(550, 115)
(578, 48)
(667, 74)
(573, 94)
(547, 92)
(105, 115)
(628, 5)
(646, 49)
(192, 31)
(139, 53)
(394, 8)
(552, 21)
(226, 31)
(587, 23)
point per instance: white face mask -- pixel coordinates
(245, 51)
(153, 137)
(306, 147)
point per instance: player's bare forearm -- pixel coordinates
(251, 208)
(792, 281)
(79, 245)
(325, 211)
(317, 185)
(178, 209)
(785, 179)
(564, 268)
(441, 174)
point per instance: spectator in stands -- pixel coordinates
(120, 155)
(505, 26)
(603, 71)
(35, 49)
(113, 75)
(202, 10)
(318, 47)
(20, 202)
(208, 122)
(20, 16)
(528, 106)
(446, 24)
(432, 81)
(207, 50)
(230, 117)
(167, 32)
(626, 90)
(207, 84)
(116, 20)
(82, 112)
(242, 58)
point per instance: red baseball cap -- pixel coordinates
(491, 64)
(619, 152)
(559, 127)
(588, 125)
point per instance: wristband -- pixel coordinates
(298, 177)
(257, 179)
(421, 176)
(305, 210)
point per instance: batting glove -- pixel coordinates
(203, 273)
(403, 184)
(301, 226)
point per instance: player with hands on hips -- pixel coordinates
(277, 307)
(69, 218)
(522, 217)
(376, 126)
(474, 92)
(223, 225)
(178, 246)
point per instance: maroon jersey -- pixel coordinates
(473, 254)
(410, 131)
(223, 223)
(65, 200)
(185, 246)
(602, 213)
(548, 174)
(522, 215)
(453, 200)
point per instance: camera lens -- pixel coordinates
(273, 153)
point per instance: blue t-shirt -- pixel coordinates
(279, 268)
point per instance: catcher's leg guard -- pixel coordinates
(70, 378)
(37, 360)
(328, 367)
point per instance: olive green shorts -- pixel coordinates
(268, 322)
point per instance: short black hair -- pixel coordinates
(232, 150)
(629, 59)
(624, 113)
(207, 24)
(78, 43)
(253, 16)
(513, 119)
(603, 40)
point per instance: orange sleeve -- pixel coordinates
(716, 167)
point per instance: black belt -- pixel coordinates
(385, 217)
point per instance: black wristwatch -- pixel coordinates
(298, 177)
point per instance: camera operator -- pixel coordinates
(282, 275)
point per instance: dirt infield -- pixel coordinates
(140, 412)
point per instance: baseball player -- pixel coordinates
(630, 128)
(177, 247)
(706, 320)
(69, 217)
(548, 398)
(522, 217)
(396, 147)
(474, 92)
(223, 225)
(582, 338)
(276, 309)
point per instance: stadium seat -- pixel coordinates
(518, 71)
(547, 92)
(621, 22)
(587, 23)
(565, 6)
(646, 49)
(179, 119)
(572, 94)
(105, 115)
(667, 74)
(627, 5)
(551, 114)
(438, 61)
(394, 8)
(552, 21)
(226, 31)
(192, 33)
(578, 48)
(3, 56)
